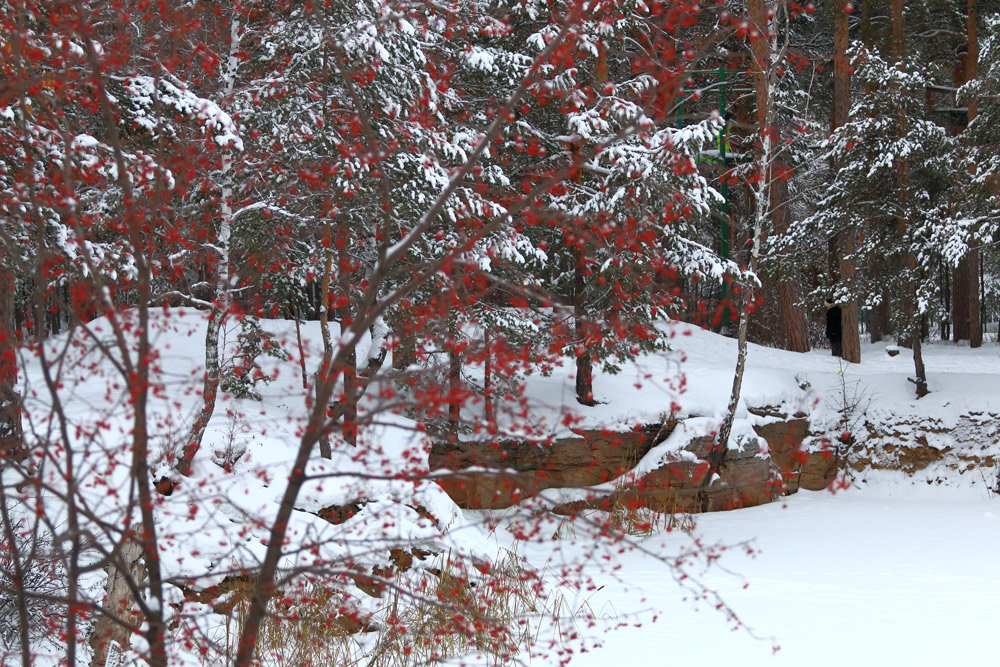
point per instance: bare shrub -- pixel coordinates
(43, 583)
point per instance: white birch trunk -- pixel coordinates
(761, 211)
(223, 299)
(119, 603)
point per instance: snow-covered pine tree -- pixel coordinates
(621, 224)
(348, 115)
(976, 219)
(895, 169)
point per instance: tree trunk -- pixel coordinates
(717, 457)
(847, 241)
(945, 286)
(878, 321)
(350, 398)
(760, 49)
(324, 370)
(867, 29)
(897, 24)
(454, 387)
(794, 319)
(584, 361)
(120, 619)
(851, 342)
(965, 301)
(10, 402)
(840, 109)
(964, 280)
(298, 340)
(209, 392)
(350, 419)
(918, 364)
(796, 330)
(488, 391)
(223, 296)
(975, 304)
(910, 317)
(972, 44)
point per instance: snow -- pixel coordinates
(885, 574)
(145, 91)
(897, 569)
(695, 378)
(894, 570)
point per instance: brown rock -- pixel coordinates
(521, 470)
(818, 470)
(784, 441)
(748, 478)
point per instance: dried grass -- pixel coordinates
(461, 609)
(629, 514)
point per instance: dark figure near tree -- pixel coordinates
(834, 328)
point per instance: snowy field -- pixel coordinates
(887, 574)
(893, 570)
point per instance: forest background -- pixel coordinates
(457, 196)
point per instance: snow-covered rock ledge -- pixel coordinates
(662, 466)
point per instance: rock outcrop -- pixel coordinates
(767, 462)
(500, 474)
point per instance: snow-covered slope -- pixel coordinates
(216, 525)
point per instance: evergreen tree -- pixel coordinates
(895, 168)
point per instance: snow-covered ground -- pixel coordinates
(890, 573)
(698, 377)
(894, 570)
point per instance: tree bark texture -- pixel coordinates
(897, 22)
(867, 29)
(350, 397)
(965, 297)
(209, 392)
(851, 342)
(918, 365)
(717, 457)
(972, 44)
(879, 325)
(841, 106)
(324, 327)
(794, 319)
(796, 330)
(223, 296)
(117, 625)
(488, 404)
(961, 282)
(846, 243)
(584, 361)
(10, 402)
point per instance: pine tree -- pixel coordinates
(895, 168)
